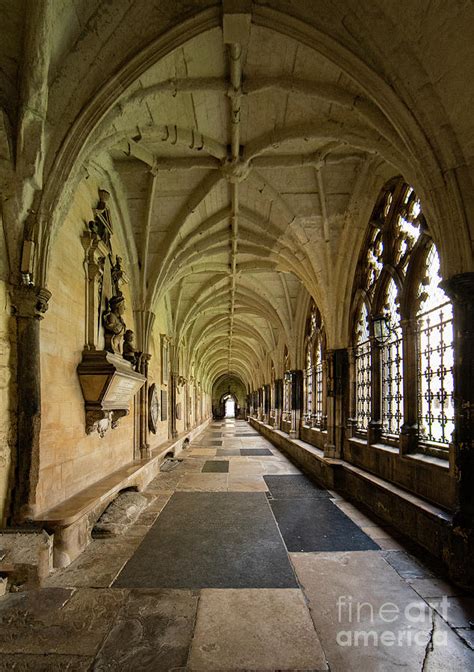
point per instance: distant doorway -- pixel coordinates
(230, 408)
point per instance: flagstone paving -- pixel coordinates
(242, 563)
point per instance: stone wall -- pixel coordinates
(70, 460)
(7, 398)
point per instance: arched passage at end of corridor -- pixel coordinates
(230, 406)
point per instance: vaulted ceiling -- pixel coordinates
(236, 164)
(244, 144)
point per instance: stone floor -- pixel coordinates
(241, 563)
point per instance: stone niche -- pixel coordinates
(111, 371)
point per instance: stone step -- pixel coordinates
(26, 558)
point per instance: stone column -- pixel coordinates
(278, 402)
(352, 394)
(296, 402)
(409, 428)
(337, 377)
(375, 425)
(29, 302)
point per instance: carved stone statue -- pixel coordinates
(119, 277)
(129, 352)
(114, 324)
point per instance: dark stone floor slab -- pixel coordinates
(294, 487)
(216, 466)
(153, 632)
(57, 620)
(308, 525)
(240, 434)
(228, 452)
(211, 540)
(215, 443)
(255, 451)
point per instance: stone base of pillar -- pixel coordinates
(145, 452)
(460, 553)
(330, 451)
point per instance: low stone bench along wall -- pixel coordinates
(428, 525)
(72, 521)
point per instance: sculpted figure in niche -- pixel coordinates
(114, 325)
(129, 352)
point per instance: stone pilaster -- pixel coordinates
(143, 403)
(29, 304)
(460, 289)
(297, 396)
(172, 404)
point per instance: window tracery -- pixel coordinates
(398, 286)
(313, 373)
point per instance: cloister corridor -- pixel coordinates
(241, 562)
(236, 335)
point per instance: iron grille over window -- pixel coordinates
(435, 356)
(402, 316)
(363, 372)
(392, 367)
(313, 378)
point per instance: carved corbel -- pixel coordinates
(117, 415)
(98, 421)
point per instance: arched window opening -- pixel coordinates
(392, 365)
(402, 364)
(435, 356)
(363, 372)
(313, 372)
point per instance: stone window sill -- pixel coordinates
(438, 462)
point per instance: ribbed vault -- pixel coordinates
(244, 165)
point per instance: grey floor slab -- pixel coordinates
(153, 632)
(228, 452)
(215, 443)
(297, 486)
(255, 451)
(211, 540)
(216, 466)
(309, 525)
